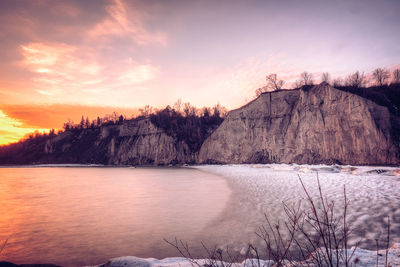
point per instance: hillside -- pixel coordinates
(313, 125)
(160, 139)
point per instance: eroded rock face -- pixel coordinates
(315, 125)
(141, 143)
(136, 142)
(310, 125)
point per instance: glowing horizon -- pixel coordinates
(111, 55)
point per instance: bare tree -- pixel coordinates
(297, 84)
(356, 80)
(189, 110)
(146, 111)
(325, 77)
(261, 90)
(219, 111)
(396, 76)
(273, 83)
(381, 75)
(337, 82)
(307, 78)
(178, 105)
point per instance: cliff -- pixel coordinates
(313, 125)
(134, 142)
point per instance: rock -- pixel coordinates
(135, 142)
(128, 261)
(314, 126)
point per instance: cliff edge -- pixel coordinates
(313, 125)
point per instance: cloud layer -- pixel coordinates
(128, 54)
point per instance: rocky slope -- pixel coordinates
(136, 142)
(313, 125)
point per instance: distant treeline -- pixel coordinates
(182, 121)
(178, 109)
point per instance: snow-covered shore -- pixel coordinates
(261, 189)
(361, 257)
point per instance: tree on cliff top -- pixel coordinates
(273, 84)
(307, 78)
(381, 76)
(396, 76)
(325, 77)
(356, 80)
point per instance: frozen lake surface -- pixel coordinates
(85, 216)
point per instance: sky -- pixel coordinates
(60, 60)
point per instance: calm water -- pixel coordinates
(77, 216)
(81, 216)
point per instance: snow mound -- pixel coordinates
(260, 189)
(361, 257)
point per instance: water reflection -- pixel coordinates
(78, 216)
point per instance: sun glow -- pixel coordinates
(12, 130)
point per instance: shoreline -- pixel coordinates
(361, 257)
(184, 165)
(249, 184)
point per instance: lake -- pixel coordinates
(78, 216)
(74, 216)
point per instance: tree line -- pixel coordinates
(178, 108)
(180, 116)
(380, 77)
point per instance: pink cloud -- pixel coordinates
(65, 9)
(57, 65)
(117, 23)
(61, 73)
(138, 74)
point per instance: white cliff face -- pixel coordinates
(319, 125)
(315, 125)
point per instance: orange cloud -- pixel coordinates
(53, 116)
(11, 129)
(18, 120)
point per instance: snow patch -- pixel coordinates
(361, 257)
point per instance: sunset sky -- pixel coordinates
(64, 59)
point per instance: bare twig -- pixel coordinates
(387, 242)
